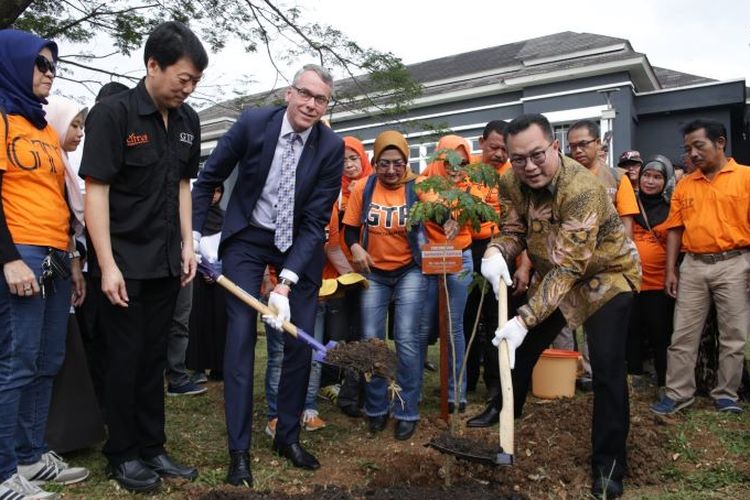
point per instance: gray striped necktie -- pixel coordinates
(285, 205)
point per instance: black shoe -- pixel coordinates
(351, 411)
(134, 475)
(461, 407)
(488, 417)
(405, 429)
(297, 455)
(606, 488)
(239, 469)
(584, 384)
(377, 424)
(166, 467)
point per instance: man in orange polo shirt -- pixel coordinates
(710, 216)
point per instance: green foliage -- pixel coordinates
(366, 78)
(452, 201)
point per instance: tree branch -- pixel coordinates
(98, 70)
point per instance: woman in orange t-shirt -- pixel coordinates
(375, 229)
(651, 316)
(34, 231)
(458, 283)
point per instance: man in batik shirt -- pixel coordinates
(586, 273)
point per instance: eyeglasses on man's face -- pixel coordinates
(44, 65)
(579, 145)
(538, 157)
(306, 95)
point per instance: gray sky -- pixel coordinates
(710, 39)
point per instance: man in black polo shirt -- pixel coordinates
(142, 148)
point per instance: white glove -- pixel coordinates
(280, 304)
(513, 332)
(494, 269)
(197, 251)
(209, 247)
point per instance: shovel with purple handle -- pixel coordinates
(319, 350)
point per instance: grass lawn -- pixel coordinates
(709, 453)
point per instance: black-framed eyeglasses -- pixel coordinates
(538, 157)
(579, 145)
(44, 65)
(386, 164)
(305, 94)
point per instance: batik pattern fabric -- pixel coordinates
(575, 239)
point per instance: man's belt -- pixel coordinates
(712, 258)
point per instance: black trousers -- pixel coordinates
(136, 356)
(650, 327)
(482, 352)
(93, 341)
(348, 327)
(606, 332)
(245, 257)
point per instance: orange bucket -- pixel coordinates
(554, 375)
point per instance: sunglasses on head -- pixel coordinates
(44, 65)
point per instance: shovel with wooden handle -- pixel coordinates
(506, 385)
(473, 451)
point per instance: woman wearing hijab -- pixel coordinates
(340, 316)
(35, 286)
(337, 317)
(458, 283)
(651, 316)
(375, 229)
(75, 421)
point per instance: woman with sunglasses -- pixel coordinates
(35, 288)
(458, 283)
(375, 229)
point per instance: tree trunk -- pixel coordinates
(10, 10)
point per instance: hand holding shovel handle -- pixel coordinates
(259, 306)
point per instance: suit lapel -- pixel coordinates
(273, 129)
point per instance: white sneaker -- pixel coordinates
(52, 468)
(16, 487)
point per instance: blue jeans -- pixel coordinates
(32, 349)
(275, 349)
(407, 291)
(458, 290)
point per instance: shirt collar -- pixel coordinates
(286, 129)
(146, 104)
(552, 186)
(729, 166)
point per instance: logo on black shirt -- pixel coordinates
(136, 139)
(186, 138)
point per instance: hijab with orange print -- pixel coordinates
(452, 142)
(355, 145)
(390, 139)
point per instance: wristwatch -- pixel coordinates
(286, 282)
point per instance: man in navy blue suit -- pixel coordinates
(289, 174)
